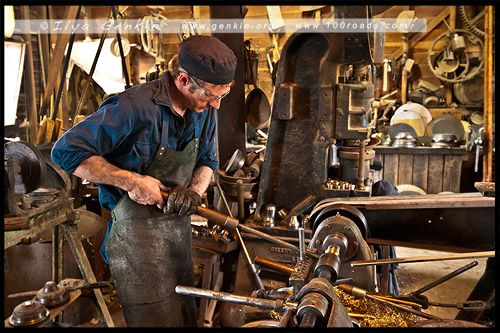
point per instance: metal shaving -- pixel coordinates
(377, 314)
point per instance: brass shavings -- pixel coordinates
(376, 314)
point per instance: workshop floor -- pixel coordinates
(413, 276)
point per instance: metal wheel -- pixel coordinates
(454, 66)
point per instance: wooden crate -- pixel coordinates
(434, 170)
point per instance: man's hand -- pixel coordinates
(146, 191)
(182, 201)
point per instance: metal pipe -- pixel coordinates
(276, 305)
(469, 255)
(445, 278)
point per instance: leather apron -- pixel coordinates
(150, 252)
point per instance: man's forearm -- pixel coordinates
(201, 179)
(145, 190)
(96, 169)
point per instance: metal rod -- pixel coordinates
(223, 196)
(302, 243)
(445, 278)
(253, 271)
(275, 265)
(262, 303)
(122, 55)
(404, 308)
(241, 200)
(91, 74)
(468, 255)
(232, 223)
(267, 237)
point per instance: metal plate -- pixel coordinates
(446, 124)
(400, 128)
(258, 109)
(29, 166)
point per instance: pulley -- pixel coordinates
(29, 313)
(29, 166)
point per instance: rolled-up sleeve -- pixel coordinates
(98, 134)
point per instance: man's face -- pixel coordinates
(209, 95)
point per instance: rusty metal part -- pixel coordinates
(470, 255)
(275, 265)
(29, 313)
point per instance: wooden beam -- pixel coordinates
(29, 85)
(56, 61)
(416, 38)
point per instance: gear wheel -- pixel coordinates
(464, 71)
(471, 24)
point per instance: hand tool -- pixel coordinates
(232, 223)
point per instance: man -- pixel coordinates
(156, 136)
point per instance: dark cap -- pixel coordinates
(208, 59)
(376, 165)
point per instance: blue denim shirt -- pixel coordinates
(127, 130)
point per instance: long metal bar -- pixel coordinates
(469, 255)
(257, 282)
(232, 223)
(276, 305)
(86, 269)
(122, 55)
(445, 278)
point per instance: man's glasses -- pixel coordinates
(203, 92)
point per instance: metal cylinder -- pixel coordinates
(313, 302)
(328, 261)
(269, 216)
